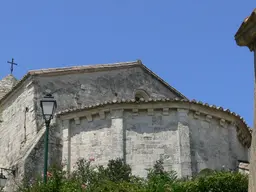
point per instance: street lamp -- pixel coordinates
(48, 105)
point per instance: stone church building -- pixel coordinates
(109, 111)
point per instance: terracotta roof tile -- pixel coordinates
(150, 100)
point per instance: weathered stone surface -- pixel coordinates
(141, 133)
(213, 146)
(149, 138)
(185, 143)
(101, 139)
(101, 86)
(18, 127)
(6, 84)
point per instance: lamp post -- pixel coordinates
(48, 105)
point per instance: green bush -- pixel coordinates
(117, 177)
(158, 179)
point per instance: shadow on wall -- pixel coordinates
(211, 146)
(156, 123)
(86, 126)
(34, 163)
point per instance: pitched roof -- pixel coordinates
(90, 69)
(165, 100)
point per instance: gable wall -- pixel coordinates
(76, 90)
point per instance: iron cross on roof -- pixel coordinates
(12, 63)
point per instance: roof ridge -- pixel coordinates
(80, 67)
(91, 68)
(161, 80)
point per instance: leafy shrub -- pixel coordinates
(159, 179)
(205, 172)
(118, 171)
(117, 177)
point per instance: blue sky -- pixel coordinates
(190, 44)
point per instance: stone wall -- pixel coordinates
(82, 89)
(21, 120)
(18, 127)
(214, 143)
(141, 139)
(150, 137)
(98, 136)
(187, 140)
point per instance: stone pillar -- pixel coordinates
(66, 149)
(246, 36)
(117, 134)
(184, 144)
(252, 167)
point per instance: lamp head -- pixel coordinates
(48, 105)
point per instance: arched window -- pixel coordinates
(141, 94)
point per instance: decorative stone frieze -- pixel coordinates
(116, 113)
(196, 114)
(183, 116)
(150, 112)
(197, 109)
(208, 118)
(77, 121)
(102, 114)
(166, 111)
(135, 112)
(89, 117)
(223, 123)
